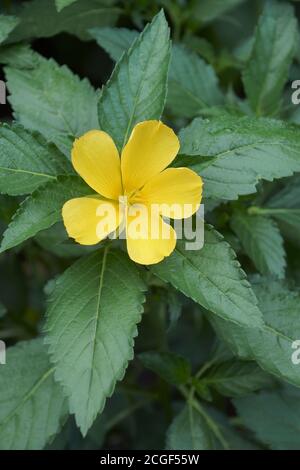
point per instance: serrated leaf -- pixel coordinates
(40, 18)
(137, 88)
(274, 417)
(242, 151)
(19, 56)
(272, 53)
(270, 345)
(91, 323)
(115, 41)
(193, 84)
(7, 24)
(236, 378)
(32, 404)
(262, 241)
(169, 366)
(189, 431)
(61, 4)
(27, 161)
(213, 278)
(57, 103)
(42, 209)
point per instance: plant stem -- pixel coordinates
(268, 211)
(189, 396)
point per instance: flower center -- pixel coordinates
(133, 197)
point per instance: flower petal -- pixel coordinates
(90, 220)
(177, 190)
(151, 147)
(95, 157)
(149, 238)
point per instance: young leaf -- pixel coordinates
(32, 404)
(267, 70)
(137, 88)
(213, 278)
(27, 161)
(262, 242)
(91, 323)
(236, 378)
(57, 103)
(274, 417)
(190, 431)
(42, 209)
(7, 24)
(40, 18)
(193, 84)
(271, 344)
(242, 151)
(169, 366)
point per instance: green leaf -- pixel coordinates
(207, 11)
(169, 366)
(271, 344)
(284, 206)
(32, 405)
(262, 241)
(137, 88)
(42, 209)
(91, 323)
(19, 56)
(57, 103)
(61, 4)
(193, 84)
(7, 24)
(274, 417)
(232, 436)
(267, 70)
(242, 151)
(235, 378)
(115, 41)
(40, 18)
(213, 278)
(286, 198)
(190, 431)
(56, 240)
(27, 161)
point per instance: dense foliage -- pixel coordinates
(200, 350)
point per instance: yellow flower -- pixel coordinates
(138, 179)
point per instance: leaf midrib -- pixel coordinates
(218, 288)
(101, 279)
(32, 173)
(135, 103)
